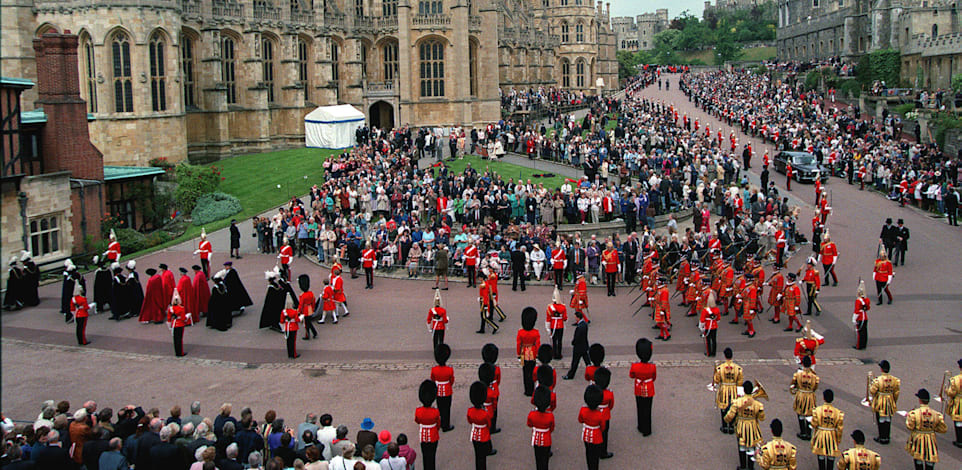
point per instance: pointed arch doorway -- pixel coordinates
(381, 114)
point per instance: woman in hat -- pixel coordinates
(31, 280)
(13, 297)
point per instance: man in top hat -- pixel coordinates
(113, 249)
(883, 274)
(527, 342)
(437, 320)
(813, 283)
(858, 457)
(807, 344)
(790, 299)
(644, 373)
(554, 322)
(860, 317)
(884, 396)
(428, 419)
(777, 453)
(337, 284)
(923, 422)
(204, 249)
(901, 244)
(177, 319)
(889, 236)
(775, 294)
(708, 324)
(725, 379)
(611, 264)
(829, 255)
(286, 256)
(443, 377)
(579, 296)
(745, 413)
(827, 422)
(368, 261)
(953, 403)
(803, 387)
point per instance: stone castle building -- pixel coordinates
(209, 78)
(731, 5)
(638, 33)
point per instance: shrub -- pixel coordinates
(193, 182)
(215, 206)
(903, 108)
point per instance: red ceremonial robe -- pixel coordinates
(169, 284)
(154, 306)
(201, 293)
(186, 291)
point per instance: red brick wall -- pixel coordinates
(94, 203)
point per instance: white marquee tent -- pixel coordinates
(332, 127)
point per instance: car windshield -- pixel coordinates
(803, 160)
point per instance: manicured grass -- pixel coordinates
(708, 55)
(254, 179)
(506, 170)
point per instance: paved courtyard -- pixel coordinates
(370, 364)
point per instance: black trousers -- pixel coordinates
(179, 341)
(487, 318)
(711, 344)
(592, 455)
(428, 452)
(556, 338)
(953, 218)
(438, 338)
(471, 275)
(369, 276)
(826, 463)
(899, 256)
(829, 269)
(82, 331)
(880, 287)
(920, 465)
(580, 353)
(309, 329)
(610, 282)
(444, 407)
(205, 266)
(541, 456)
(643, 405)
(630, 271)
(481, 451)
(527, 373)
(286, 272)
(559, 278)
(291, 344)
(813, 300)
(861, 334)
(516, 275)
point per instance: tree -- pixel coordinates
(664, 45)
(727, 50)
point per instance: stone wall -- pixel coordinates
(47, 194)
(134, 141)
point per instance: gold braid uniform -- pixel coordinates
(923, 422)
(953, 405)
(803, 387)
(827, 422)
(728, 376)
(748, 412)
(885, 394)
(778, 454)
(859, 458)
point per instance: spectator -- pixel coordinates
(383, 440)
(346, 459)
(146, 442)
(391, 460)
(165, 455)
(229, 462)
(404, 450)
(365, 436)
(52, 455)
(95, 447)
(80, 432)
(203, 456)
(248, 440)
(174, 416)
(309, 424)
(326, 435)
(285, 449)
(223, 417)
(195, 418)
(113, 459)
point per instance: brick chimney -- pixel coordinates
(66, 138)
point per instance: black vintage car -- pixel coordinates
(804, 166)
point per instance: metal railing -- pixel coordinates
(386, 22)
(228, 10)
(431, 21)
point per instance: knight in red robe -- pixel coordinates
(201, 291)
(185, 289)
(169, 284)
(155, 305)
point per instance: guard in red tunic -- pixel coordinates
(790, 300)
(860, 317)
(738, 291)
(113, 249)
(480, 421)
(813, 283)
(829, 254)
(708, 325)
(527, 343)
(777, 284)
(489, 354)
(554, 322)
(592, 421)
(327, 302)
(808, 344)
(291, 321)
(662, 309)
(596, 354)
(337, 283)
(602, 378)
(546, 377)
(286, 256)
(684, 278)
(541, 422)
(486, 300)
(492, 281)
(487, 376)
(779, 248)
(368, 259)
(443, 377)
(306, 305)
(81, 311)
(726, 289)
(788, 176)
(558, 264)
(697, 282)
(749, 305)
(610, 263)
(204, 249)
(437, 320)
(544, 358)
(177, 319)
(428, 419)
(471, 262)
(644, 374)
(579, 296)
(883, 274)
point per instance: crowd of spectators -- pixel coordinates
(92, 438)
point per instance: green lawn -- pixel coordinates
(506, 170)
(708, 55)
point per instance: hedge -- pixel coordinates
(193, 182)
(132, 241)
(214, 206)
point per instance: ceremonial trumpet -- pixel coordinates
(868, 386)
(759, 391)
(946, 377)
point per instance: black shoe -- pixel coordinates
(890, 301)
(444, 288)
(798, 329)
(808, 314)
(876, 439)
(608, 455)
(495, 331)
(296, 356)
(238, 257)
(565, 377)
(879, 302)
(494, 451)
(957, 444)
(495, 431)
(449, 428)
(480, 332)
(834, 284)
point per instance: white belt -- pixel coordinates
(603, 406)
(478, 426)
(637, 381)
(442, 383)
(591, 427)
(539, 430)
(825, 429)
(428, 426)
(488, 403)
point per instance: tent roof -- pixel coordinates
(334, 114)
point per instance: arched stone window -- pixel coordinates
(89, 72)
(157, 54)
(228, 61)
(123, 84)
(431, 55)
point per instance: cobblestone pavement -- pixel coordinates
(371, 363)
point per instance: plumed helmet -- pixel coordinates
(545, 375)
(114, 266)
(175, 300)
(528, 316)
(489, 353)
(643, 349)
(268, 275)
(861, 288)
(304, 282)
(113, 236)
(542, 398)
(13, 260)
(596, 352)
(437, 297)
(486, 373)
(556, 296)
(478, 393)
(78, 289)
(220, 275)
(593, 396)
(288, 302)
(131, 265)
(427, 392)
(442, 353)
(203, 233)
(602, 377)
(96, 260)
(545, 353)
(69, 265)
